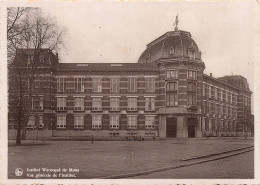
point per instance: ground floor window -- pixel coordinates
(78, 121)
(41, 124)
(203, 123)
(61, 121)
(221, 125)
(31, 122)
(149, 122)
(132, 122)
(114, 122)
(96, 121)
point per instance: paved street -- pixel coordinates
(236, 167)
(106, 158)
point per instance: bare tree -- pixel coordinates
(31, 36)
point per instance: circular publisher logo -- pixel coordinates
(18, 172)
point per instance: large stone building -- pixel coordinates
(164, 95)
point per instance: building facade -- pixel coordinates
(165, 94)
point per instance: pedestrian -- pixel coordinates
(92, 139)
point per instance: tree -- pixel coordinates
(31, 36)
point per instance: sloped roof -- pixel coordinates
(106, 67)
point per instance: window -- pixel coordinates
(97, 103)
(217, 109)
(210, 108)
(213, 124)
(97, 84)
(61, 121)
(210, 91)
(210, 124)
(191, 94)
(191, 54)
(149, 122)
(61, 84)
(61, 103)
(216, 93)
(114, 85)
(41, 103)
(78, 121)
(203, 123)
(213, 108)
(221, 110)
(149, 103)
(132, 84)
(31, 122)
(221, 95)
(132, 103)
(79, 87)
(203, 107)
(114, 122)
(171, 74)
(41, 124)
(221, 125)
(192, 74)
(204, 90)
(207, 124)
(226, 96)
(171, 94)
(231, 98)
(96, 121)
(78, 103)
(114, 103)
(150, 84)
(131, 122)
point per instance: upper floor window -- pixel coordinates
(149, 103)
(61, 103)
(226, 96)
(79, 87)
(192, 74)
(216, 93)
(78, 121)
(61, 121)
(171, 94)
(150, 84)
(221, 95)
(191, 93)
(114, 85)
(210, 91)
(97, 103)
(171, 74)
(114, 122)
(61, 84)
(203, 107)
(96, 121)
(79, 103)
(132, 103)
(132, 122)
(114, 103)
(97, 84)
(149, 122)
(37, 103)
(132, 84)
(204, 90)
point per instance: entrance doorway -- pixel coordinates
(171, 127)
(192, 127)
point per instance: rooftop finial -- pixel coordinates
(176, 23)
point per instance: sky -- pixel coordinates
(118, 32)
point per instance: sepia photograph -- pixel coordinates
(130, 90)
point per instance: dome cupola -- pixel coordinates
(172, 45)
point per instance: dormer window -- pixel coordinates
(171, 50)
(192, 54)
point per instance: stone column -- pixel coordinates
(180, 125)
(162, 126)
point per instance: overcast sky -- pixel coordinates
(118, 32)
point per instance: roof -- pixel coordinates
(174, 44)
(106, 67)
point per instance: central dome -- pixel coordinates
(171, 45)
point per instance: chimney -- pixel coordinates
(210, 74)
(57, 57)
